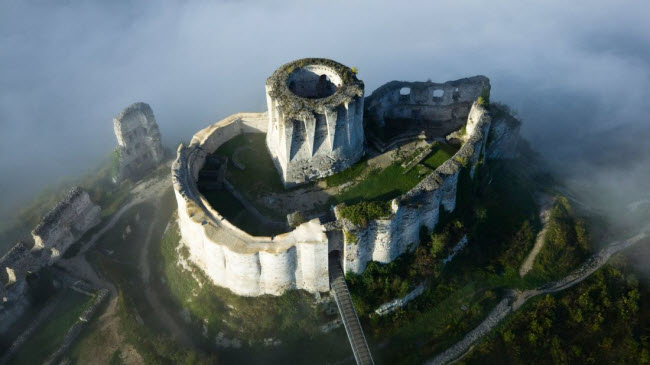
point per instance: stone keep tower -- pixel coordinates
(315, 108)
(138, 140)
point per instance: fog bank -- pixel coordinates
(578, 73)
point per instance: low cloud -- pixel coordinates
(578, 74)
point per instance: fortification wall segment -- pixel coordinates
(74, 215)
(254, 265)
(383, 240)
(138, 139)
(231, 258)
(435, 108)
(315, 119)
(66, 223)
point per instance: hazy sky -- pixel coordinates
(573, 70)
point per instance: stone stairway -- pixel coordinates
(348, 314)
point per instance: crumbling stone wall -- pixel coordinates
(66, 223)
(315, 109)
(383, 240)
(15, 263)
(230, 257)
(73, 216)
(139, 147)
(253, 266)
(401, 109)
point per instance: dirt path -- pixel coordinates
(147, 189)
(516, 299)
(160, 309)
(546, 203)
(108, 322)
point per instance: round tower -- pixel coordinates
(315, 119)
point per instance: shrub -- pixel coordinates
(115, 163)
(362, 212)
(484, 98)
(461, 160)
(350, 237)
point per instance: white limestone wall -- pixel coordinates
(314, 145)
(298, 259)
(138, 139)
(230, 257)
(383, 240)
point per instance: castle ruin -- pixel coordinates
(139, 147)
(315, 110)
(66, 223)
(62, 226)
(317, 123)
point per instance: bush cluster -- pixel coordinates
(362, 212)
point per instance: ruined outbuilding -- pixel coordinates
(65, 224)
(139, 148)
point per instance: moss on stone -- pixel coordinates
(293, 106)
(350, 237)
(363, 212)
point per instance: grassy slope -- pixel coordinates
(293, 318)
(48, 336)
(139, 324)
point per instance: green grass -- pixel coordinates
(439, 154)
(500, 220)
(347, 175)
(385, 184)
(260, 175)
(46, 339)
(288, 316)
(293, 317)
(228, 206)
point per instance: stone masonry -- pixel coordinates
(66, 223)
(315, 109)
(252, 266)
(139, 147)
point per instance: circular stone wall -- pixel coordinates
(313, 82)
